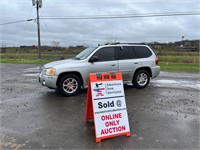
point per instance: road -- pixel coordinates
(165, 115)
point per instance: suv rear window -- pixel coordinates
(142, 52)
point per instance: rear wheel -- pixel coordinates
(69, 85)
(141, 79)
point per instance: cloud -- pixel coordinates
(92, 32)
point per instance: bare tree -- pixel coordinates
(56, 45)
(3, 48)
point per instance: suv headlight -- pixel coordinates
(50, 72)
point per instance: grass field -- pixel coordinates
(180, 59)
(182, 62)
(35, 56)
(32, 58)
(180, 67)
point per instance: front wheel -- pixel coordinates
(69, 85)
(141, 79)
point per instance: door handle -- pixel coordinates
(113, 65)
(136, 63)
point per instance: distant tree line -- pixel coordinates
(184, 45)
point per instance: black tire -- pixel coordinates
(69, 85)
(141, 79)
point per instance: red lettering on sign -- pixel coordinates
(113, 130)
(112, 116)
(112, 123)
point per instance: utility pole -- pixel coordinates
(38, 4)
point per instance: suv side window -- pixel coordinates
(106, 54)
(125, 52)
(142, 52)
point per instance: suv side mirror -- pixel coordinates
(94, 59)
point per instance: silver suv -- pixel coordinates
(137, 63)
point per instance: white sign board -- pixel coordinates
(110, 113)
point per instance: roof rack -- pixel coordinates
(135, 43)
(125, 43)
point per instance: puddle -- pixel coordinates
(165, 81)
(176, 84)
(31, 72)
(35, 69)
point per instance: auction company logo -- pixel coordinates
(98, 89)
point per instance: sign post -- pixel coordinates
(107, 106)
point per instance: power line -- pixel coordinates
(80, 3)
(126, 16)
(7, 23)
(169, 14)
(89, 4)
(127, 1)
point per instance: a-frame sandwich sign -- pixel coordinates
(107, 106)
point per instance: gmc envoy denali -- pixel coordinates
(137, 63)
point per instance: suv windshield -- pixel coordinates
(85, 53)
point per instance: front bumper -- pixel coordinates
(48, 81)
(155, 71)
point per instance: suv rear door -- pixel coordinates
(127, 61)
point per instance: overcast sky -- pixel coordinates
(92, 32)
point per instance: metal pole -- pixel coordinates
(38, 30)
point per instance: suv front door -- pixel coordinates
(105, 61)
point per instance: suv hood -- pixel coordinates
(61, 62)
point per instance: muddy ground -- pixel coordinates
(165, 115)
